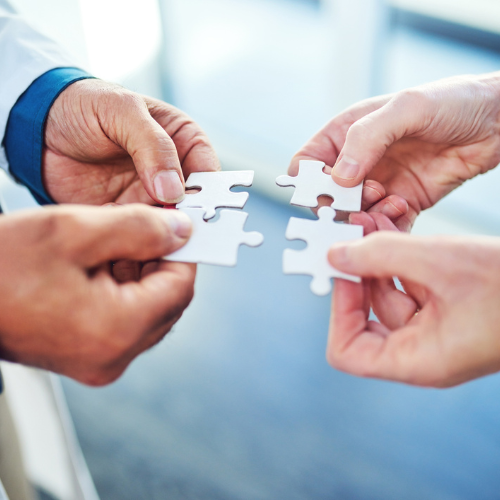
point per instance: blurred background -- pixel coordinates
(238, 401)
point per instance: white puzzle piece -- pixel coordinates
(312, 182)
(216, 242)
(319, 235)
(215, 190)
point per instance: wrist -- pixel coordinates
(24, 137)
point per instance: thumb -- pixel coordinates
(387, 254)
(135, 232)
(152, 150)
(368, 138)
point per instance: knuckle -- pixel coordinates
(98, 377)
(127, 98)
(106, 341)
(109, 348)
(154, 232)
(103, 344)
(185, 294)
(435, 379)
(335, 358)
(413, 99)
(200, 140)
(157, 237)
(58, 229)
(188, 295)
(362, 130)
(408, 96)
(380, 241)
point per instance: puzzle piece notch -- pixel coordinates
(216, 242)
(312, 182)
(319, 235)
(216, 190)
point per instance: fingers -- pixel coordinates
(124, 271)
(91, 236)
(372, 222)
(392, 206)
(365, 220)
(132, 317)
(327, 143)
(125, 118)
(370, 349)
(369, 137)
(373, 192)
(350, 309)
(391, 306)
(407, 356)
(366, 348)
(387, 254)
(164, 291)
(195, 152)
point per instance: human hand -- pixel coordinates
(105, 144)
(62, 309)
(443, 331)
(420, 143)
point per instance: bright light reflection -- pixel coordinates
(121, 35)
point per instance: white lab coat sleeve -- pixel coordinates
(25, 54)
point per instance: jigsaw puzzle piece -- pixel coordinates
(319, 235)
(294, 262)
(302, 197)
(216, 242)
(311, 182)
(215, 190)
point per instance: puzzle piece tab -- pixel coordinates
(216, 242)
(215, 190)
(312, 182)
(319, 235)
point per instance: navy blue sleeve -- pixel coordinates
(24, 135)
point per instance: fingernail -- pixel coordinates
(168, 187)
(347, 168)
(179, 222)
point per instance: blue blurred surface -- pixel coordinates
(238, 402)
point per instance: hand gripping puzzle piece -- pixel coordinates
(319, 235)
(312, 182)
(215, 191)
(216, 242)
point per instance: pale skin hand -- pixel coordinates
(418, 144)
(445, 330)
(106, 144)
(63, 310)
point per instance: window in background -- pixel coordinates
(433, 40)
(124, 41)
(261, 76)
(253, 74)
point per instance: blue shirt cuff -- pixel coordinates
(24, 135)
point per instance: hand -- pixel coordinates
(419, 144)
(443, 331)
(62, 310)
(106, 144)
